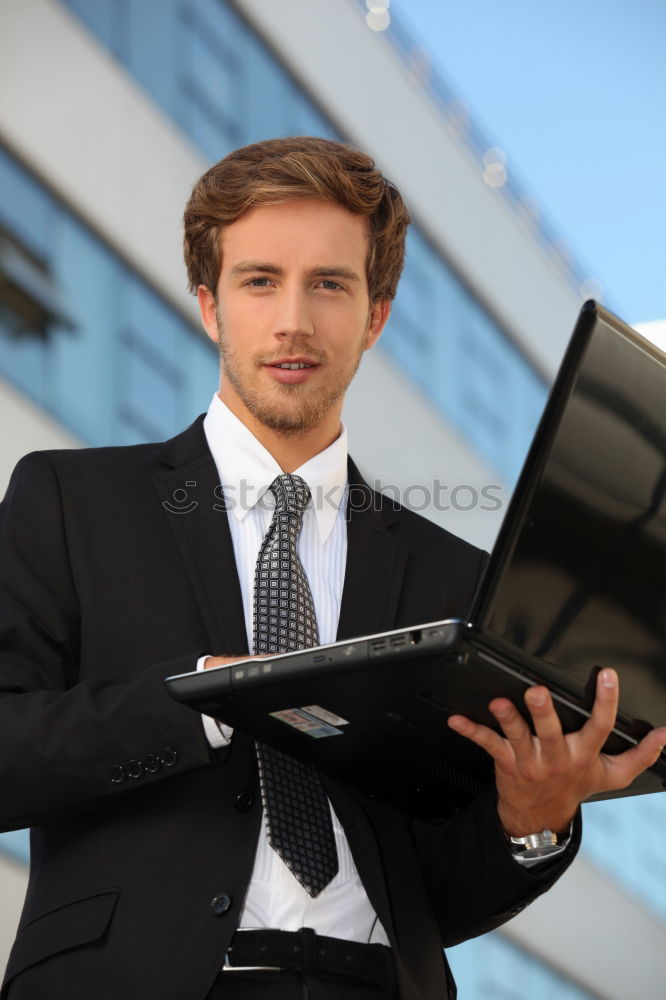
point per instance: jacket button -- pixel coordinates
(134, 768)
(244, 800)
(220, 904)
(117, 774)
(152, 763)
(168, 757)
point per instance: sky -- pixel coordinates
(574, 92)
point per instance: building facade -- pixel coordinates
(109, 110)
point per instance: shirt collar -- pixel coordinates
(247, 469)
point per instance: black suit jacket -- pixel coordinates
(111, 579)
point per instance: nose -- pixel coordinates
(293, 317)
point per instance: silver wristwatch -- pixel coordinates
(538, 845)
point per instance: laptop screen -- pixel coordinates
(580, 578)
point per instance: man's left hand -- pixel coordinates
(542, 779)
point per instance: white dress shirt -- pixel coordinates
(246, 470)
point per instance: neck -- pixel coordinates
(290, 450)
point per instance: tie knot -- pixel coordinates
(291, 494)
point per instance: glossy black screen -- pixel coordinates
(582, 582)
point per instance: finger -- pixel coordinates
(486, 738)
(514, 727)
(547, 725)
(598, 727)
(625, 767)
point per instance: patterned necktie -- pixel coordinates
(298, 817)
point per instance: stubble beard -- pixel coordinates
(288, 409)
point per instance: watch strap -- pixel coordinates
(542, 844)
(532, 841)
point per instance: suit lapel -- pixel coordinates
(375, 563)
(194, 506)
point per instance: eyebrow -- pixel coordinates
(336, 272)
(340, 271)
(245, 266)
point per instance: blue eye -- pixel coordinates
(259, 282)
(330, 284)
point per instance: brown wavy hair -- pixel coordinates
(279, 170)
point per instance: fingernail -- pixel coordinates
(608, 678)
(537, 698)
(501, 712)
(458, 724)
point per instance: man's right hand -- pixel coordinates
(224, 661)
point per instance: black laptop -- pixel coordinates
(576, 582)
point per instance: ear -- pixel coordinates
(379, 314)
(208, 311)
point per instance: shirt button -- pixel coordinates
(244, 800)
(220, 904)
(134, 768)
(168, 757)
(152, 763)
(117, 774)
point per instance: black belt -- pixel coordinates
(309, 952)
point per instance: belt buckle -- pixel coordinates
(227, 967)
(253, 968)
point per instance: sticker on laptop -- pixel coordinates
(309, 723)
(325, 715)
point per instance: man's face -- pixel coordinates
(293, 315)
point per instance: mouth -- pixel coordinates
(290, 371)
(293, 364)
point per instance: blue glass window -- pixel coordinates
(625, 838)
(118, 374)
(16, 844)
(493, 968)
(444, 341)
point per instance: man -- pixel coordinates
(158, 863)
